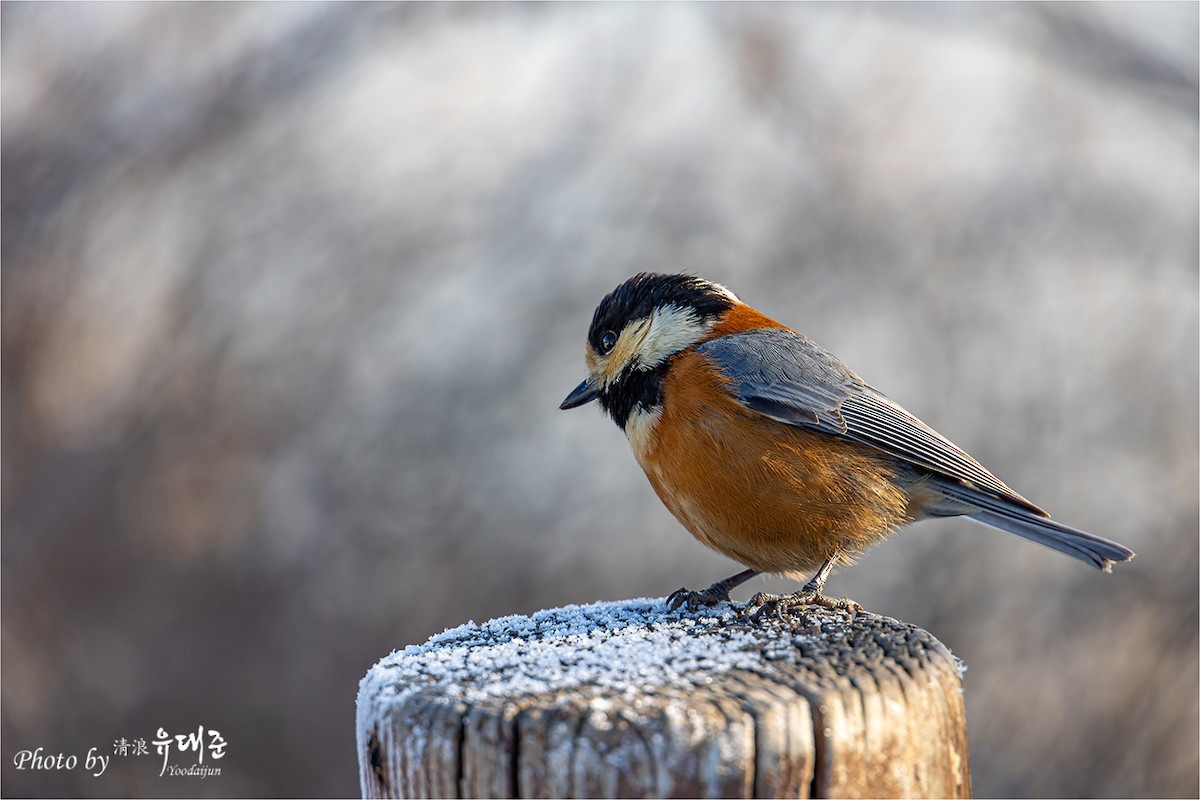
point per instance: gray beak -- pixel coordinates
(583, 394)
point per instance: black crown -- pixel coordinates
(637, 298)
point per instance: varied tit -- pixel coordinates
(771, 451)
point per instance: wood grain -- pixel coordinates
(629, 700)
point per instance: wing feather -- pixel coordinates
(786, 376)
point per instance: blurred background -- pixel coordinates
(291, 293)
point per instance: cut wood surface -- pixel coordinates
(629, 699)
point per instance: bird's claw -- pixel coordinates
(781, 606)
(695, 599)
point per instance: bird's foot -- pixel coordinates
(717, 593)
(693, 598)
(781, 606)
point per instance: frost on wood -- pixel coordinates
(628, 699)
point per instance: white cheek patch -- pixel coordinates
(648, 342)
(671, 329)
(629, 345)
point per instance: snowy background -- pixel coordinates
(291, 293)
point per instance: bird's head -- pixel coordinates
(634, 332)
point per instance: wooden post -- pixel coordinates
(627, 699)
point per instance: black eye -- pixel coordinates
(607, 341)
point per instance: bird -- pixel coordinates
(771, 451)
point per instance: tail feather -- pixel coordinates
(994, 512)
(1087, 547)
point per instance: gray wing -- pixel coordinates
(786, 376)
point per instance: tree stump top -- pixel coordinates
(627, 698)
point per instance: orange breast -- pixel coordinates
(774, 497)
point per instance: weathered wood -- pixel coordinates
(627, 699)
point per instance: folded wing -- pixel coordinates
(784, 375)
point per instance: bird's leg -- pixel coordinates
(717, 593)
(810, 595)
(817, 582)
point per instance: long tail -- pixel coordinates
(1095, 550)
